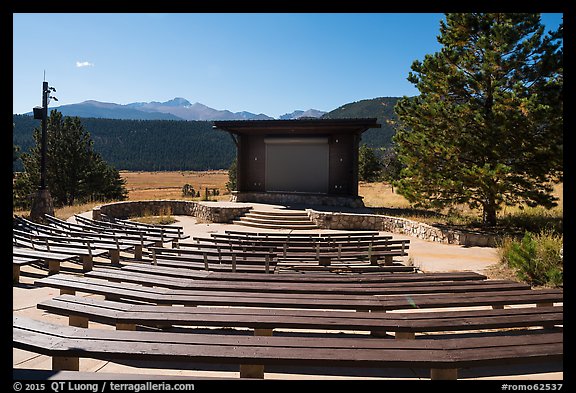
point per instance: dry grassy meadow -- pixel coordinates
(168, 185)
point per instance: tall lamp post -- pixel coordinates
(42, 203)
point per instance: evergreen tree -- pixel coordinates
(232, 176)
(486, 129)
(74, 172)
(369, 166)
(391, 166)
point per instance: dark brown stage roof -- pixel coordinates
(298, 126)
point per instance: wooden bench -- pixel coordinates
(85, 226)
(69, 284)
(302, 287)
(137, 242)
(66, 345)
(322, 249)
(215, 258)
(85, 253)
(174, 234)
(342, 278)
(305, 236)
(17, 262)
(51, 259)
(369, 252)
(125, 316)
(113, 248)
(174, 231)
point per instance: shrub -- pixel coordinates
(188, 190)
(536, 258)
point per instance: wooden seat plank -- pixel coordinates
(298, 287)
(335, 278)
(299, 300)
(70, 342)
(111, 312)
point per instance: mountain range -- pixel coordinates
(151, 144)
(175, 109)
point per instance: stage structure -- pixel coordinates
(298, 162)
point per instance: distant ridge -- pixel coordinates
(150, 144)
(382, 108)
(175, 109)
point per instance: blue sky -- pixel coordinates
(261, 63)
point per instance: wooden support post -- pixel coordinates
(267, 264)
(206, 261)
(138, 251)
(66, 291)
(125, 326)
(377, 333)
(373, 261)
(251, 371)
(154, 262)
(78, 321)
(498, 307)
(87, 263)
(53, 266)
(255, 370)
(115, 257)
(324, 260)
(15, 273)
(405, 335)
(339, 252)
(388, 261)
(444, 374)
(233, 263)
(65, 363)
(263, 332)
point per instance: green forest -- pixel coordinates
(146, 145)
(172, 145)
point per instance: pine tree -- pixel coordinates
(74, 172)
(486, 129)
(369, 167)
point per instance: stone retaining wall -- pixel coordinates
(204, 211)
(352, 221)
(220, 213)
(296, 198)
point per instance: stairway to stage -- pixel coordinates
(277, 219)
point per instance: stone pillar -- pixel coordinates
(41, 205)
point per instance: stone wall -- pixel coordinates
(203, 211)
(352, 221)
(295, 198)
(222, 213)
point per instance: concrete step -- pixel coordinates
(274, 226)
(281, 213)
(258, 220)
(277, 219)
(275, 216)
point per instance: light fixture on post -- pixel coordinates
(42, 203)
